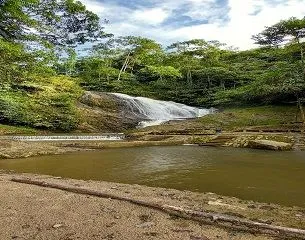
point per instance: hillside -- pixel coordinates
(103, 112)
(91, 112)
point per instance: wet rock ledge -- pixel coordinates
(269, 145)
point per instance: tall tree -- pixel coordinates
(194, 54)
(287, 32)
(58, 22)
(139, 51)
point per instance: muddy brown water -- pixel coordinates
(265, 176)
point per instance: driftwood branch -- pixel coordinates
(201, 216)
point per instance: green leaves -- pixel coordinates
(59, 22)
(50, 104)
(13, 18)
(161, 72)
(286, 31)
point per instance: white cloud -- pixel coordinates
(94, 6)
(153, 16)
(242, 22)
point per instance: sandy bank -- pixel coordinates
(33, 212)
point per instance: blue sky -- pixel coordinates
(229, 21)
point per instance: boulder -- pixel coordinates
(103, 112)
(269, 145)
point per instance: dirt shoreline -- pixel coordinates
(23, 149)
(33, 212)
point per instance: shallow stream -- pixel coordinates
(266, 176)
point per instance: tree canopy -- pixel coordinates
(58, 22)
(35, 76)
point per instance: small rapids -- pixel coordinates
(155, 112)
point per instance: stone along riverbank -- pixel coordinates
(22, 149)
(121, 211)
(22, 146)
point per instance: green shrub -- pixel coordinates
(52, 106)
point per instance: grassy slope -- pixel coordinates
(232, 119)
(253, 117)
(13, 130)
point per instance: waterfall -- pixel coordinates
(155, 112)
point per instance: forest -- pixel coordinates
(52, 51)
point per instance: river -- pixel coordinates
(265, 176)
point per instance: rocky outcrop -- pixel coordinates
(269, 145)
(102, 112)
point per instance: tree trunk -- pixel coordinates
(302, 57)
(297, 113)
(189, 77)
(303, 65)
(222, 85)
(123, 67)
(301, 110)
(209, 81)
(126, 64)
(302, 60)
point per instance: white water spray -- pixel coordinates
(156, 112)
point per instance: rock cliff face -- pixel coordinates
(117, 112)
(103, 112)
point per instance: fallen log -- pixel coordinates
(222, 220)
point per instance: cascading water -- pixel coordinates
(155, 112)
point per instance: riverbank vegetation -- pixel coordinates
(11, 130)
(45, 66)
(281, 118)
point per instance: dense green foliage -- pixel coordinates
(58, 22)
(48, 104)
(33, 34)
(42, 73)
(202, 73)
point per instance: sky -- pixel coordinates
(229, 21)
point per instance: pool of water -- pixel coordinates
(266, 176)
